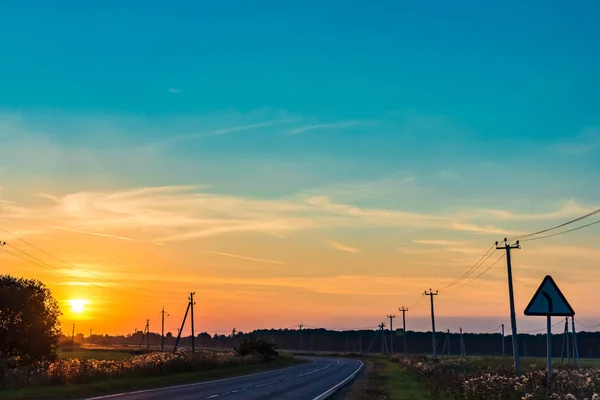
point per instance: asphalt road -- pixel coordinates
(313, 381)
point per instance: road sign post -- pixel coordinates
(548, 301)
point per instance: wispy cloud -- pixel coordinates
(216, 132)
(8, 202)
(174, 90)
(586, 142)
(439, 242)
(94, 233)
(242, 257)
(335, 125)
(568, 209)
(342, 247)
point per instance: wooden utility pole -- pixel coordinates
(511, 297)
(192, 303)
(503, 352)
(433, 342)
(162, 332)
(73, 336)
(180, 330)
(404, 310)
(148, 334)
(300, 326)
(391, 317)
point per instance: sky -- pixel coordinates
(298, 162)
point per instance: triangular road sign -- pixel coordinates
(548, 300)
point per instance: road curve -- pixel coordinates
(314, 381)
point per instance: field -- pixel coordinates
(91, 372)
(412, 378)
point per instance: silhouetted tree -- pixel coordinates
(257, 347)
(29, 327)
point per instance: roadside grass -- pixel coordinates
(385, 379)
(77, 391)
(95, 354)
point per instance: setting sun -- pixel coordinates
(77, 306)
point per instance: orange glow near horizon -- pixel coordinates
(328, 278)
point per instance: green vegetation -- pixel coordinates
(94, 354)
(400, 384)
(386, 379)
(117, 385)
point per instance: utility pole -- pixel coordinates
(575, 347)
(90, 340)
(503, 353)
(404, 310)
(511, 296)
(448, 341)
(300, 326)
(73, 336)
(391, 317)
(462, 344)
(567, 340)
(162, 334)
(148, 334)
(360, 344)
(433, 343)
(180, 330)
(192, 303)
(382, 329)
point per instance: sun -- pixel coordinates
(77, 305)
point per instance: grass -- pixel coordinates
(131, 384)
(384, 379)
(95, 354)
(400, 384)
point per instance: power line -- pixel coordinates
(562, 232)
(543, 329)
(475, 266)
(53, 269)
(481, 274)
(557, 226)
(74, 266)
(587, 326)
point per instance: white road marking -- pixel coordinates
(312, 372)
(266, 384)
(331, 391)
(213, 396)
(110, 396)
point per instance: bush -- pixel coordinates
(261, 348)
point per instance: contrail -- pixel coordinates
(96, 234)
(243, 257)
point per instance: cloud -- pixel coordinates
(569, 209)
(342, 247)
(173, 90)
(95, 234)
(8, 202)
(242, 257)
(336, 125)
(439, 242)
(586, 142)
(216, 132)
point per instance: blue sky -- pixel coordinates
(449, 110)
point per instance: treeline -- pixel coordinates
(363, 341)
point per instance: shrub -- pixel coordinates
(261, 348)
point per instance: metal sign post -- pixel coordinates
(548, 301)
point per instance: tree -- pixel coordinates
(257, 347)
(29, 327)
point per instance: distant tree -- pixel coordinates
(29, 327)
